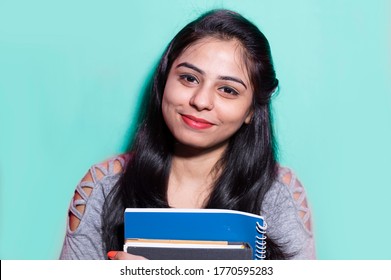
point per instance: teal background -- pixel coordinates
(71, 74)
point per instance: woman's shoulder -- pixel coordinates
(112, 166)
(103, 175)
(288, 191)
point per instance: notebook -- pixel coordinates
(172, 233)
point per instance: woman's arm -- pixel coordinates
(83, 239)
(288, 216)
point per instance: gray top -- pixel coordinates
(285, 210)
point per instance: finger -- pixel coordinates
(119, 255)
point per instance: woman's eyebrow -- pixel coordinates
(191, 66)
(228, 78)
(225, 78)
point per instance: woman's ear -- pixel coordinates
(249, 117)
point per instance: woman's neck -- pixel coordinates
(192, 176)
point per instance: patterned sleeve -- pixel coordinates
(288, 216)
(83, 238)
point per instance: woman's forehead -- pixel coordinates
(227, 55)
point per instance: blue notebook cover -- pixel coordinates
(197, 224)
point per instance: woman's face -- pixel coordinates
(208, 94)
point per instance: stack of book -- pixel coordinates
(194, 234)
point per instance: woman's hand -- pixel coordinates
(119, 255)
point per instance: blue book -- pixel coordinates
(205, 229)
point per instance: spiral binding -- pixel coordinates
(260, 242)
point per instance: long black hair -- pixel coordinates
(247, 168)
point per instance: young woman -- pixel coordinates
(205, 141)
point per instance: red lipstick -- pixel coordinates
(196, 123)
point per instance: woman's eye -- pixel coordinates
(229, 91)
(189, 78)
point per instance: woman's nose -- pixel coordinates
(202, 99)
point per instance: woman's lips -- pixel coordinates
(196, 123)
